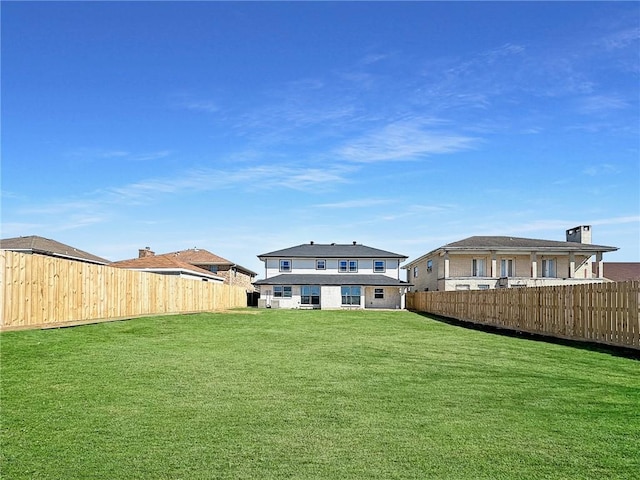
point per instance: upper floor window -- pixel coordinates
(415, 272)
(321, 265)
(478, 267)
(348, 266)
(429, 265)
(379, 266)
(285, 265)
(549, 268)
(507, 267)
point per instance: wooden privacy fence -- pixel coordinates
(602, 312)
(39, 291)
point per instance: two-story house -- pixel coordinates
(487, 262)
(332, 276)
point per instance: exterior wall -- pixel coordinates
(233, 277)
(426, 280)
(474, 283)
(461, 272)
(308, 266)
(330, 298)
(195, 277)
(392, 298)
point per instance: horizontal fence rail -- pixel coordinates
(40, 291)
(604, 313)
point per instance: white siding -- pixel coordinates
(308, 266)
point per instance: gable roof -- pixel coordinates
(200, 256)
(164, 263)
(517, 243)
(46, 246)
(514, 244)
(331, 250)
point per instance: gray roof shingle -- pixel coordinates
(492, 242)
(46, 246)
(331, 250)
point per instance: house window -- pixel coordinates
(429, 265)
(461, 286)
(282, 291)
(506, 267)
(350, 295)
(415, 272)
(549, 268)
(479, 267)
(483, 287)
(285, 265)
(348, 266)
(213, 268)
(378, 293)
(310, 295)
(321, 265)
(379, 266)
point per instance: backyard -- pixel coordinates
(261, 394)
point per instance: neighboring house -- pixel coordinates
(45, 246)
(480, 263)
(332, 276)
(621, 271)
(168, 266)
(232, 273)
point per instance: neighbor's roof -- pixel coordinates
(329, 279)
(200, 256)
(46, 246)
(159, 263)
(332, 250)
(620, 271)
(515, 244)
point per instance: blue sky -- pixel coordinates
(244, 127)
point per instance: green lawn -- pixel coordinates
(311, 394)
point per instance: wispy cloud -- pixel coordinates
(373, 58)
(116, 155)
(201, 106)
(294, 177)
(616, 220)
(402, 141)
(601, 103)
(360, 203)
(622, 38)
(193, 102)
(601, 169)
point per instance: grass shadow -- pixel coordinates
(617, 351)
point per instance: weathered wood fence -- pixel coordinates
(40, 291)
(604, 313)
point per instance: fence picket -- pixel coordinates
(606, 313)
(41, 291)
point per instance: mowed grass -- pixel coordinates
(312, 394)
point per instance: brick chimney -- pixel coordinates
(145, 252)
